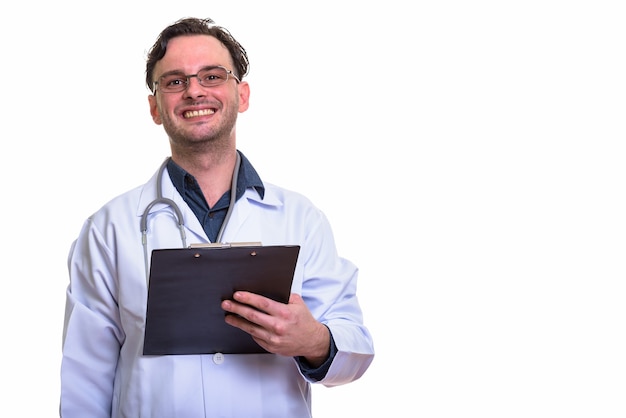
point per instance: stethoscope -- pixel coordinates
(179, 215)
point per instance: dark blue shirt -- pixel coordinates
(211, 220)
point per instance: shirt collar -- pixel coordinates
(247, 178)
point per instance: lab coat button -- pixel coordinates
(218, 358)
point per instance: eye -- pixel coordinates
(174, 81)
(213, 76)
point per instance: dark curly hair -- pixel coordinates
(195, 26)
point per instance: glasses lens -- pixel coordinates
(213, 76)
(209, 77)
(173, 82)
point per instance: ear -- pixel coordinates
(154, 110)
(244, 96)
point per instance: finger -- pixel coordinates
(256, 301)
(257, 332)
(251, 314)
(296, 299)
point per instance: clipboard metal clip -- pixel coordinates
(225, 244)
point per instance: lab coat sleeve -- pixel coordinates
(329, 289)
(92, 333)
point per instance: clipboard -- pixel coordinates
(187, 286)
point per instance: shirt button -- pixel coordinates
(218, 358)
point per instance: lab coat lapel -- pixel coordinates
(193, 230)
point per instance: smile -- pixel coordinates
(196, 113)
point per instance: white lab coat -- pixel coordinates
(104, 373)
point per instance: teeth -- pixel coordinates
(196, 113)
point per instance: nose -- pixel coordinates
(194, 89)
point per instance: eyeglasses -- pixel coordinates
(207, 77)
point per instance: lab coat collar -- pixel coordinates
(240, 213)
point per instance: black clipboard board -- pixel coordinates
(187, 286)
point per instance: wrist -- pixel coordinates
(321, 349)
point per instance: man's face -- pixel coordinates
(197, 114)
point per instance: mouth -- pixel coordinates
(196, 113)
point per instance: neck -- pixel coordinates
(213, 172)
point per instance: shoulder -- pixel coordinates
(288, 200)
(118, 208)
(293, 208)
(284, 194)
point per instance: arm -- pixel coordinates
(328, 308)
(92, 333)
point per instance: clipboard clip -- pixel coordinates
(226, 244)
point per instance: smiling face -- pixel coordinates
(198, 116)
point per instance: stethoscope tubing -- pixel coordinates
(179, 215)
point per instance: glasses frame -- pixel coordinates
(229, 74)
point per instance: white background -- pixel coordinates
(469, 154)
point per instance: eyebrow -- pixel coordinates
(172, 72)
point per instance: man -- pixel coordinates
(195, 72)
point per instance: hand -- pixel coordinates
(285, 329)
